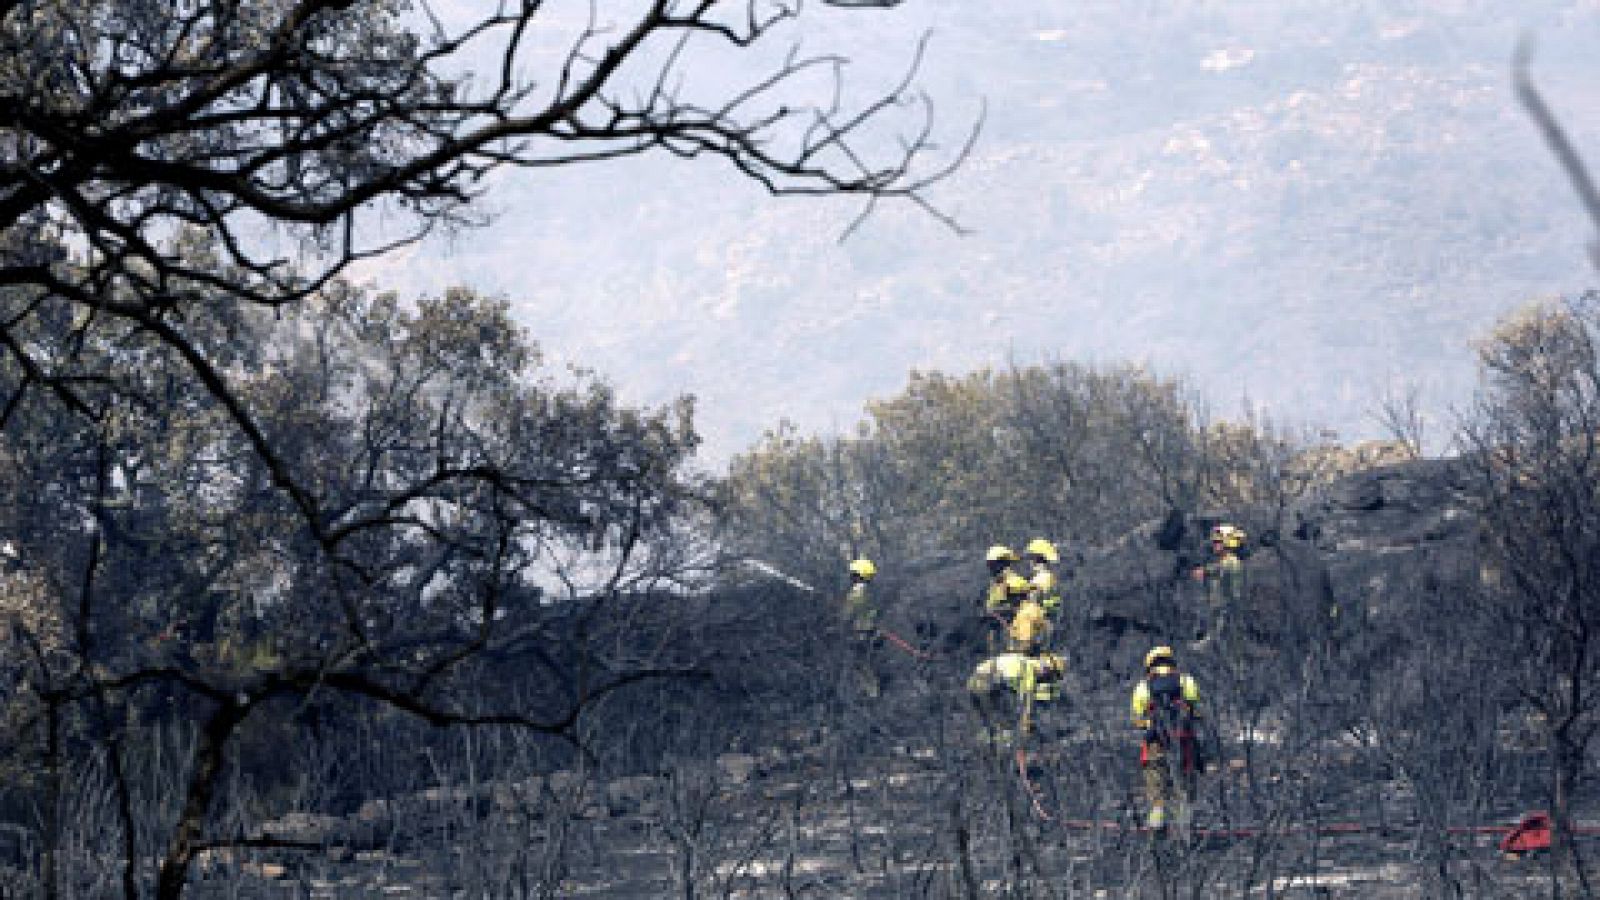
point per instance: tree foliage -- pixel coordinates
(955, 463)
(241, 483)
(472, 515)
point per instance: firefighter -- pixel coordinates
(1007, 688)
(1044, 585)
(860, 608)
(1030, 627)
(1224, 581)
(1000, 617)
(1004, 594)
(1166, 710)
(1002, 563)
(860, 611)
(1032, 674)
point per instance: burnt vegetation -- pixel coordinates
(316, 589)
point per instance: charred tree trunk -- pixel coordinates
(209, 755)
(1566, 864)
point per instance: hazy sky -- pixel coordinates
(1290, 203)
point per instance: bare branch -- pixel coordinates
(1555, 136)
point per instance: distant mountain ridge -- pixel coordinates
(1291, 203)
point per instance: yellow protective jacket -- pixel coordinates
(859, 609)
(1225, 580)
(1000, 597)
(995, 597)
(1037, 676)
(1028, 626)
(1139, 707)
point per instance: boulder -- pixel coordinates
(736, 768)
(634, 795)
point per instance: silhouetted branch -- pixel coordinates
(1556, 137)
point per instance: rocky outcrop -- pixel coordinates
(1340, 549)
(1373, 530)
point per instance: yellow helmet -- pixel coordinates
(863, 569)
(1043, 549)
(1016, 584)
(1159, 653)
(1229, 536)
(1001, 553)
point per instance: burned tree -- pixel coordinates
(292, 139)
(1534, 449)
(486, 517)
(251, 487)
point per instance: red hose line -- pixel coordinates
(903, 644)
(1334, 828)
(1033, 792)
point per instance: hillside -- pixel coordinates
(1323, 788)
(1296, 204)
(323, 587)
